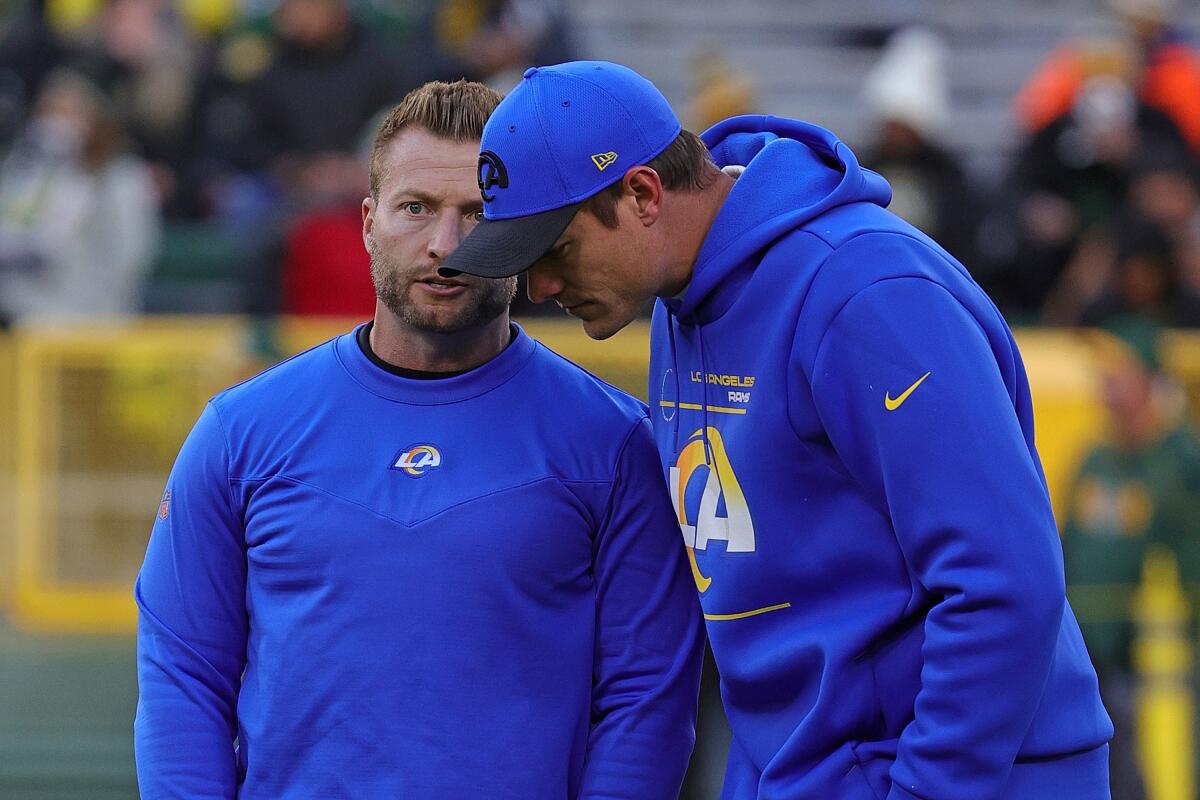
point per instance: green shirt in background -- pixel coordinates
(1120, 503)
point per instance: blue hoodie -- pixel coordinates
(848, 435)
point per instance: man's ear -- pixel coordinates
(643, 186)
(368, 218)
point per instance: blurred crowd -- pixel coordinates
(207, 155)
(1098, 214)
(217, 145)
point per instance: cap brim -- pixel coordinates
(499, 248)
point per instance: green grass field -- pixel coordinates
(66, 720)
(66, 717)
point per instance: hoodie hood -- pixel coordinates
(760, 208)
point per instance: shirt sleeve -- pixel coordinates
(915, 402)
(649, 639)
(192, 627)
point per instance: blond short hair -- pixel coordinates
(456, 111)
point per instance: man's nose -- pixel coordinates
(448, 232)
(542, 285)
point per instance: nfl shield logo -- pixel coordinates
(164, 507)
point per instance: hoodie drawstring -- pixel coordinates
(708, 457)
(675, 371)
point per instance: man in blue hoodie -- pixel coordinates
(846, 427)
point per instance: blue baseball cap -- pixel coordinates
(562, 135)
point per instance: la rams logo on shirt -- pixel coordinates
(708, 500)
(418, 460)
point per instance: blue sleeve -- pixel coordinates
(948, 462)
(192, 628)
(649, 639)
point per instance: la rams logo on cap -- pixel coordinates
(492, 172)
(417, 460)
(603, 160)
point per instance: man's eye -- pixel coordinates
(477, 216)
(416, 209)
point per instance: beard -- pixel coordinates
(486, 298)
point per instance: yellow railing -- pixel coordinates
(1166, 704)
(99, 415)
(91, 419)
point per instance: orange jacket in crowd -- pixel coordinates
(1170, 83)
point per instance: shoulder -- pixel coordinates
(868, 257)
(868, 244)
(582, 397)
(278, 387)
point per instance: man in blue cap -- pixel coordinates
(847, 431)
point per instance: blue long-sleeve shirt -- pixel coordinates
(367, 586)
(848, 433)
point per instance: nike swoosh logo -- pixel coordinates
(702, 583)
(892, 405)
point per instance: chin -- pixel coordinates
(603, 328)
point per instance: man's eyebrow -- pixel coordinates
(431, 200)
(417, 194)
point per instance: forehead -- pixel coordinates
(416, 160)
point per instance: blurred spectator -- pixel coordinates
(1166, 191)
(494, 41)
(29, 50)
(908, 96)
(79, 221)
(719, 91)
(1070, 180)
(282, 112)
(1140, 488)
(290, 109)
(326, 269)
(145, 57)
(1162, 66)
(1144, 280)
(1147, 261)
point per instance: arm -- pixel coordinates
(951, 468)
(649, 639)
(192, 629)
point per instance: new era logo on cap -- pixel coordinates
(602, 160)
(563, 134)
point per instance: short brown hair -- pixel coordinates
(455, 111)
(685, 165)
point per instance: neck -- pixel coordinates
(695, 214)
(403, 346)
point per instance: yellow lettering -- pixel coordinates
(715, 379)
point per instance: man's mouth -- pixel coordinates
(574, 308)
(443, 286)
